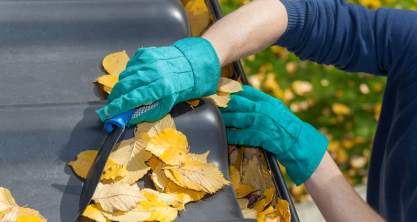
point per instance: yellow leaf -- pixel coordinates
(240, 189)
(198, 16)
(169, 145)
(340, 109)
(168, 199)
(11, 212)
(243, 203)
(93, 211)
(220, 100)
(29, 215)
(163, 184)
(249, 213)
(6, 199)
(243, 190)
(154, 206)
(201, 157)
(154, 128)
(196, 175)
(280, 214)
(10, 215)
(113, 171)
(269, 195)
(118, 196)
(114, 63)
(262, 216)
(159, 205)
(107, 89)
(227, 85)
(163, 214)
(133, 158)
(122, 153)
(82, 164)
(134, 215)
(194, 102)
(107, 82)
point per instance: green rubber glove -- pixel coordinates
(186, 70)
(256, 119)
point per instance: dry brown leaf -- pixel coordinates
(241, 190)
(118, 196)
(254, 175)
(196, 175)
(227, 85)
(114, 63)
(169, 145)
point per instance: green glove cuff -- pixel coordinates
(303, 158)
(205, 64)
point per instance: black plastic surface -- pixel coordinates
(50, 53)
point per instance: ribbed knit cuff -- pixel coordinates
(296, 10)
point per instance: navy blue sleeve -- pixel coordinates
(352, 37)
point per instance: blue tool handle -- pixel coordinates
(120, 121)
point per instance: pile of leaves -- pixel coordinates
(161, 151)
(253, 186)
(11, 212)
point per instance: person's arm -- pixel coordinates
(335, 198)
(247, 30)
(325, 31)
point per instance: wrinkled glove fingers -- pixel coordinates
(246, 120)
(237, 120)
(255, 95)
(239, 103)
(136, 97)
(132, 82)
(249, 137)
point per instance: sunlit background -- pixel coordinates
(344, 106)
